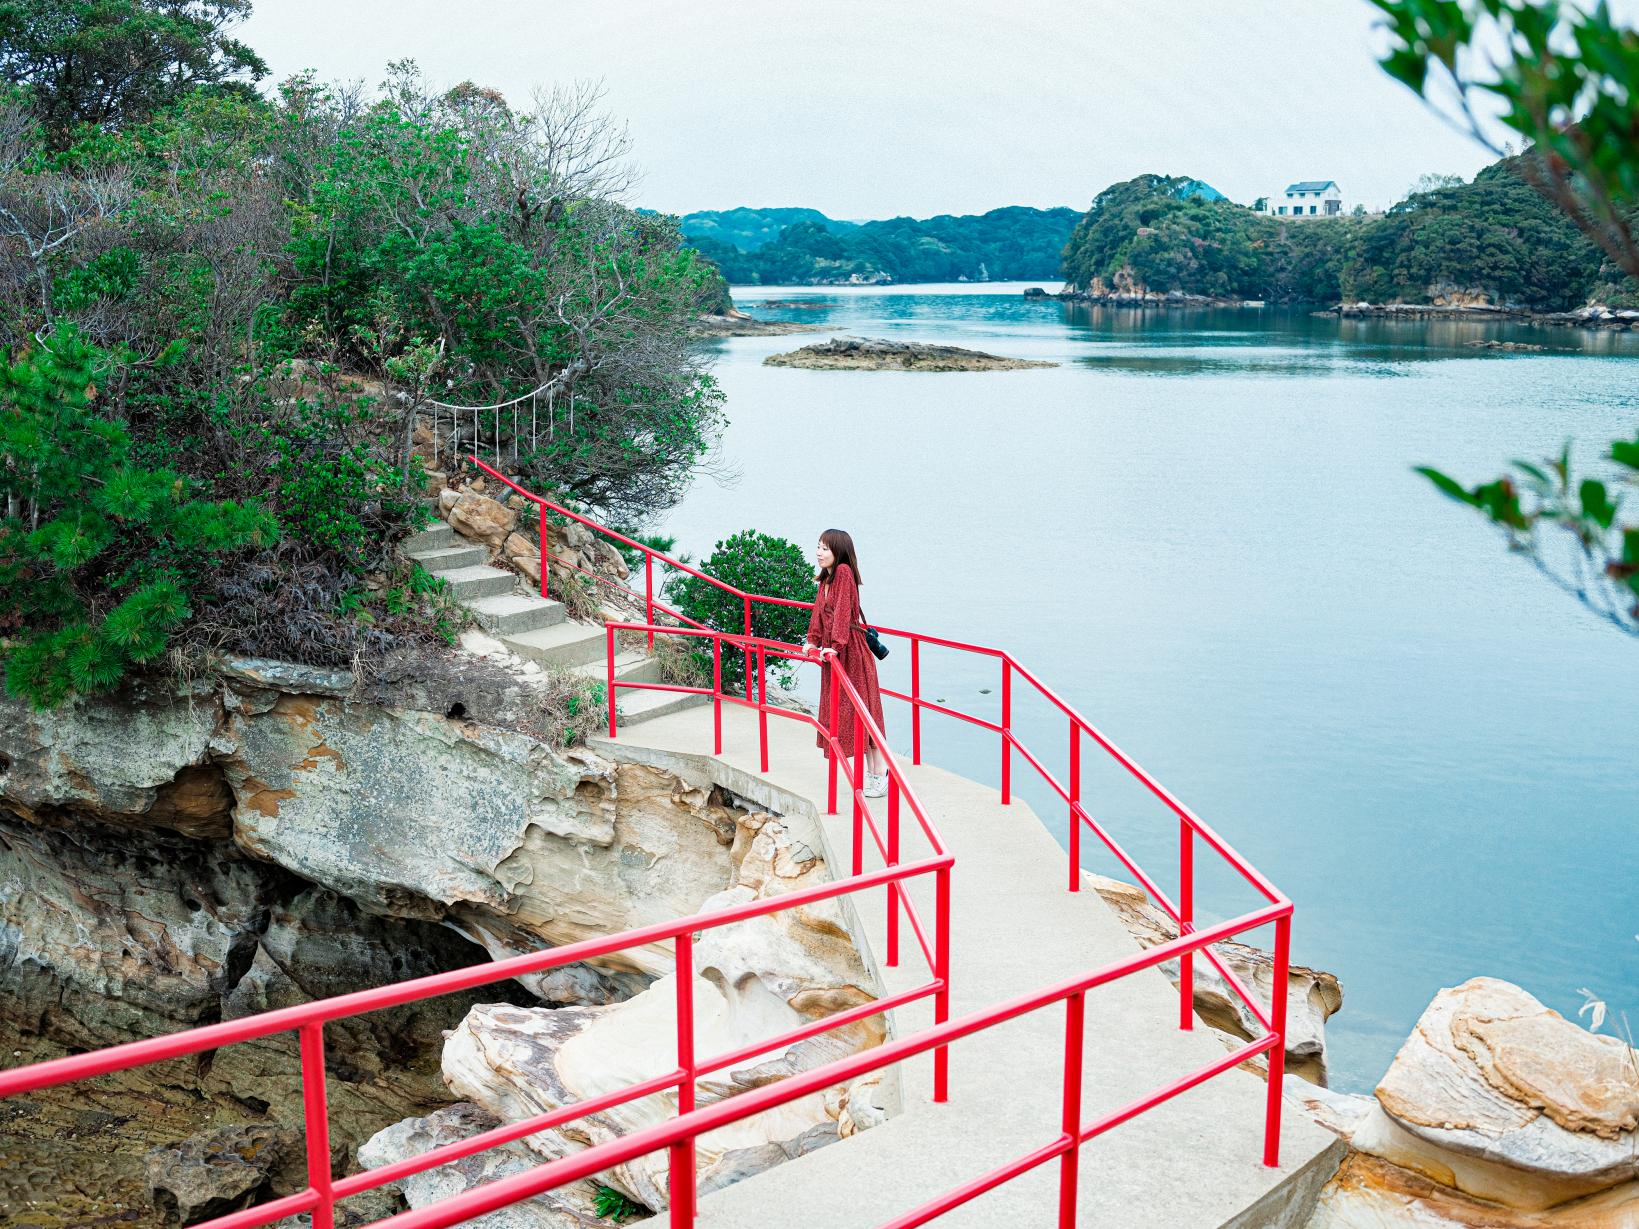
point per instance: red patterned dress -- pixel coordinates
(837, 624)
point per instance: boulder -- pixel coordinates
(572, 1206)
(1312, 996)
(216, 1172)
(1500, 1097)
(447, 499)
(481, 518)
(753, 981)
(529, 567)
(1497, 1112)
(516, 544)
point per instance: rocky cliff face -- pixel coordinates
(173, 857)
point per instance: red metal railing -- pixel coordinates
(679, 1134)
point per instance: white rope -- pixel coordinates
(499, 405)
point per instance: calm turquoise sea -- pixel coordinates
(1204, 529)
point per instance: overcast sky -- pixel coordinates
(875, 108)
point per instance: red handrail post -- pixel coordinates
(717, 695)
(833, 746)
(648, 593)
(1277, 1053)
(1007, 732)
(680, 1184)
(1075, 807)
(916, 700)
(762, 704)
(609, 680)
(1075, 1014)
(747, 653)
(316, 1123)
(544, 554)
(893, 860)
(1186, 923)
(941, 970)
(857, 788)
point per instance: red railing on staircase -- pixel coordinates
(678, 1134)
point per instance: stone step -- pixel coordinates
(439, 537)
(636, 707)
(449, 559)
(631, 666)
(516, 612)
(480, 581)
(566, 645)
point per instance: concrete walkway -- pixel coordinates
(1193, 1162)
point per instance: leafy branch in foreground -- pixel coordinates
(1597, 557)
(1565, 78)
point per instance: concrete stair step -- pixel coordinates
(631, 666)
(636, 707)
(480, 581)
(516, 612)
(439, 537)
(449, 559)
(566, 644)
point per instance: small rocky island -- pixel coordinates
(876, 354)
(736, 323)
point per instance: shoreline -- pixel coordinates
(1595, 317)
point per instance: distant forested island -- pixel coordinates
(788, 247)
(1494, 240)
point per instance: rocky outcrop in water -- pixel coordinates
(1497, 1112)
(1312, 996)
(875, 354)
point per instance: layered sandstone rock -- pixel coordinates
(1312, 996)
(1496, 1112)
(753, 981)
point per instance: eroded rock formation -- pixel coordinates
(1497, 1112)
(753, 980)
(875, 354)
(1312, 996)
(277, 834)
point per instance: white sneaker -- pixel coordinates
(876, 785)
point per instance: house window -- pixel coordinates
(1282, 209)
(1313, 209)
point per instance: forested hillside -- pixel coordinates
(750, 229)
(1495, 239)
(1010, 244)
(221, 309)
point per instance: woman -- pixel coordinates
(837, 624)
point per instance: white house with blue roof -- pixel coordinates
(1310, 198)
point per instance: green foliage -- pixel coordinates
(98, 556)
(1495, 237)
(1002, 245)
(452, 216)
(753, 563)
(335, 484)
(113, 63)
(663, 543)
(1602, 567)
(1565, 77)
(617, 1205)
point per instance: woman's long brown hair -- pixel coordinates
(841, 547)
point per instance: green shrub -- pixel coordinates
(98, 556)
(753, 563)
